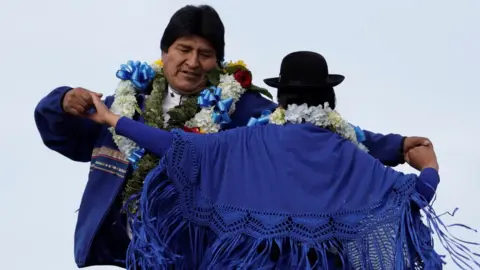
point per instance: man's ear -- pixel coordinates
(164, 55)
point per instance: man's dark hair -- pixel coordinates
(312, 97)
(202, 21)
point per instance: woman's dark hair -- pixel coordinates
(202, 21)
(312, 97)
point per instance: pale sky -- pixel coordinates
(411, 67)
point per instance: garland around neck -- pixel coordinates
(135, 77)
(321, 116)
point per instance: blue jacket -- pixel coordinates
(100, 237)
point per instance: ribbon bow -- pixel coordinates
(359, 133)
(135, 157)
(140, 74)
(262, 120)
(212, 97)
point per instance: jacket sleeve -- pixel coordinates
(73, 137)
(386, 148)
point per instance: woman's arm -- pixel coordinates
(152, 139)
(424, 158)
(427, 183)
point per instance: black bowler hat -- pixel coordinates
(304, 69)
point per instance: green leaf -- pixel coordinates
(262, 91)
(214, 76)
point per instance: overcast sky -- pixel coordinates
(411, 67)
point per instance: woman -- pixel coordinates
(300, 193)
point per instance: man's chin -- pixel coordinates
(189, 88)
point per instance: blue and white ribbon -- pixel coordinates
(262, 120)
(135, 157)
(140, 74)
(359, 133)
(212, 97)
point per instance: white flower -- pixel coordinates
(278, 117)
(350, 133)
(124, 106)
(227, 78)
(233, 90)
(125, 88)
(125, 145)
(230, 87)
(317, 116)
(203, 121)
(322, 116)
(335, 119)
(294, 113)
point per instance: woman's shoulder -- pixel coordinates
(274, 127)
(271, 134)
(260, 135)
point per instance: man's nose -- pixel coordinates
(192, 60)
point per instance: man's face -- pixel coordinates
(186, 63)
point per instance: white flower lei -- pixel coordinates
(322, 116)
(125, 104)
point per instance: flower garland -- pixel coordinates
(207, 112)
(322, 116)
(217, 104)
(134, 77)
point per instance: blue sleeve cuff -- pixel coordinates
(122, 126)
(401, 157)
(65, 90)
(427, 183)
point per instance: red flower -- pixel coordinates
(192, 130)
(243, 77)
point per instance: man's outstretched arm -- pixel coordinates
(72, 136)
(390, 149)
(386, 148)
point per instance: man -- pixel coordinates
(192, 45)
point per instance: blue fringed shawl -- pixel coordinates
(282, 197)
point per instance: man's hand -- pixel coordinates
(412, 142)
(422, 157)
(78, 101)
(102, 114)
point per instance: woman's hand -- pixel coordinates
(102, 115)
(412, 142)
(422, 157)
